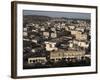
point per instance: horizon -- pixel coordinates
(58, 14)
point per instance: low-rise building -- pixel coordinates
(81, 36)
(58, 55)
(25, 29)
(50, 46)
(53, 29)
(71, 44)
(66, 28)
(42, 28)
(74, 32)
(53, 35)
(79, 43)
(71, 27)
(41, 60)
(46, 34)
(80, 29)
(34, 40)
(25, 34)
(83, 44)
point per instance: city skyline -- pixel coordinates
(55, 43)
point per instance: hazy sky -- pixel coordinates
(58, 14)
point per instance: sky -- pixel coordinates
(58, 14)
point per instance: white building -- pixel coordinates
(42, 28)
(66, 28)
(71, 45)
(46, 34)
(41, 60)
(25, 29)
(74, 32)
(26, 39)
(80, 29)
(33, 50)
(25, 34)
(50, 46)
(53, 35)
(71, 27)
(34, 40)
(34, 30)
(83, 44)
(53, 29)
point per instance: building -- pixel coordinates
(83, 44)
(53, 29)
(71, 45)
(53, 35)
(50, 46)
(35, 40)
(42, 28)
(58, 55)
(30, 24)
(25, 29)
(25, 34)
(41, 60)
(75, 41)
(71, 27)
(66, 28)
(46, 34)
(74, 32)
(80, 29)
(81, 36)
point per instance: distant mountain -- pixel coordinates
(41, 18)
(35, 18)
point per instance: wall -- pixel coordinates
(5, 40)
